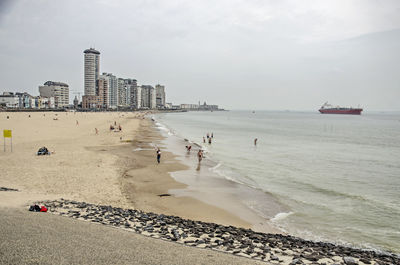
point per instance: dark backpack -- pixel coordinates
(34, 208)
(43, 151)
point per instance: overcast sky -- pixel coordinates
(239, 54)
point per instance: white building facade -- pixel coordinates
(136, 97)
(112, 89)
(122, 93)
(59, 91)
(9, 100)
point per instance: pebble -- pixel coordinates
(349, 261)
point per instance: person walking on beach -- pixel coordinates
(158, 155)
(209, 140)
(204, 139)
(96, 130)
(255, 141)
(200, 155)
(212, 135)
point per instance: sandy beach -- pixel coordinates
(97, 168)
(78, 168)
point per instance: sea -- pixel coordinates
(323, 177)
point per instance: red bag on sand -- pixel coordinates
(43, 209)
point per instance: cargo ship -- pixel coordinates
(329, 109)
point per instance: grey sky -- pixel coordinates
(240, 54)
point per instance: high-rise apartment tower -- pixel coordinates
(112, 80)
(160, 96)
(92, 68)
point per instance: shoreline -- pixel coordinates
(203, 184)
(145, 181)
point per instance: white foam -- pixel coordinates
(141, 149)
(162, 127)
(224, 175)
(217, 166)
(281, 216)
(229, 175)
(204, 148)
(137, 149)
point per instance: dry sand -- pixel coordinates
(78, 169)
(100, 169)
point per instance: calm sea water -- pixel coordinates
(338, 176)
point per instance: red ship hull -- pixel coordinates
(341, 111)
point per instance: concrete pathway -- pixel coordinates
(41, 238)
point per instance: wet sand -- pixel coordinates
(145, 181)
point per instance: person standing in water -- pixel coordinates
(204, 139)
(200, 155)
(209, 140)
(158, 155)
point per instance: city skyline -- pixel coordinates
(107, 91)
(242, 55)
